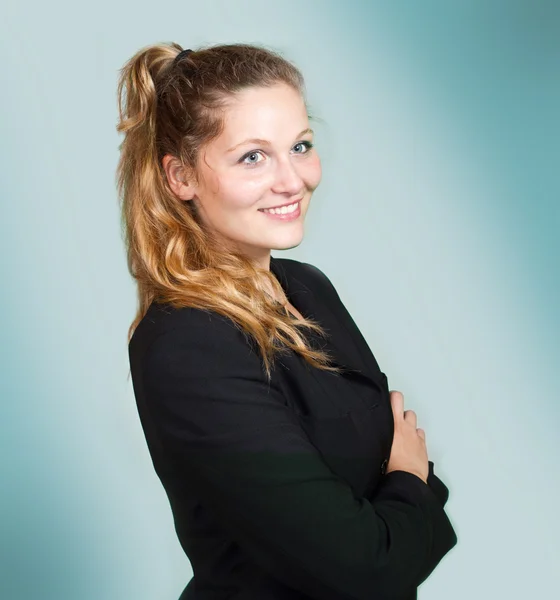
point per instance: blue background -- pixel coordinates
(437, 220)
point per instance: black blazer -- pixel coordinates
(279, 491)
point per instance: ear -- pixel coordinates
(176, 176)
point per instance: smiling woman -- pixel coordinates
(278, 475)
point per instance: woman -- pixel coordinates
(291, 470)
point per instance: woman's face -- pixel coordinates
(264, 158)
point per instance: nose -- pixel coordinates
(287, 179)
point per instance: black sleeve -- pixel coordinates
(439, 488)
(232, 437)
(436, 485)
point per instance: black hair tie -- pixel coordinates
(181, 55)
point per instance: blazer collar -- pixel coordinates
(345, 348)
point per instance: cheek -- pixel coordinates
(238, 192)
(313, 171)
(249, 190)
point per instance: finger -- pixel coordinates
(397, 404)
(421, 433)
(410, 417)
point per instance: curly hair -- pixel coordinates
(175, 107)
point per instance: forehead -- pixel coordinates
(256, 110)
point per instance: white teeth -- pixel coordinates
(282, 211)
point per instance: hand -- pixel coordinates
(408, 452)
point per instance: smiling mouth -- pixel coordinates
(284, 210)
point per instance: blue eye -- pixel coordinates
(253, 153)
(244, 159)
(307, 145)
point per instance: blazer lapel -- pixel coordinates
(342, 345)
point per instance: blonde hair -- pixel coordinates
(176, 107)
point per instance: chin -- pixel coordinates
(287, 243)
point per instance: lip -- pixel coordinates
(281, 205)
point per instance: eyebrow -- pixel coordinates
(264, 142)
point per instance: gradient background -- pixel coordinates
(439, 137)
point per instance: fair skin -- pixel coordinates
(277, 169)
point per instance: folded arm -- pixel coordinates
(232, 438)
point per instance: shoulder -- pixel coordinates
(188, 329)
(180, 330)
